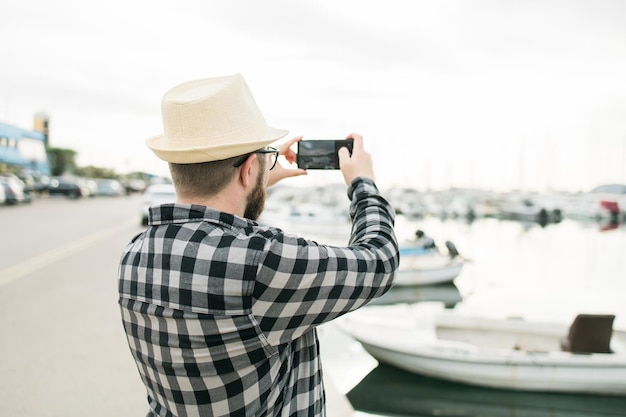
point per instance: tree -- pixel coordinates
(62, 160)
(95, 172)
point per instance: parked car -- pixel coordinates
(105, 187)
(153, 196)
(68, 187)
(13, 190)
(34, 185)
(3, 196)
(134, 186)
(89, 186)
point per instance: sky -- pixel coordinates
(492, 94)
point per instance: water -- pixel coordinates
(517, 269)
(389, 391)
(524, 269)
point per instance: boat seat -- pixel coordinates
(589, 333)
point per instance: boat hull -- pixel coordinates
(421, 351)
(606, 379)
(441, 274)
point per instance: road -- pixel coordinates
(62, 348)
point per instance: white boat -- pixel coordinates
(531, 208)
(499, 353)
(603, 203)
(438, 269)
(428, 267)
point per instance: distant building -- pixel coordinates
(25, 149)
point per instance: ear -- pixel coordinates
(246, 171)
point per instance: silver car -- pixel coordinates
(153, 196)
(13, 189)
(3, 196)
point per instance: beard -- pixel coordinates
(256, 200)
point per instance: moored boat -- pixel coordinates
(419, 266)
(512, 354)
(439, 269)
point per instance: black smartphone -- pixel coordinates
(321, 153)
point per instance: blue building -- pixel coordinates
(25, 149)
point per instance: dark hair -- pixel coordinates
(205, 178)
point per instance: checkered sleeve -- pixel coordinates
(301, 284)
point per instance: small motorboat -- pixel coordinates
(588, 357)
(428, 266)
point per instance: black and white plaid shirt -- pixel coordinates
(221, 313)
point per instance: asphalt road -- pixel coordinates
(62, 348)
(63, 352)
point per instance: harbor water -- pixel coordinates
(514, 269)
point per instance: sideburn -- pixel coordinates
(256, 199)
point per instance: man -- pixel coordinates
(425, 241)
(220, 313)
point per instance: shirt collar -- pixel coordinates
(184, 213)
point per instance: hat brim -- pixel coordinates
(197, 154)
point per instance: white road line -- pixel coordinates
(33, 264)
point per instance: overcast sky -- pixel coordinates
(492, 94)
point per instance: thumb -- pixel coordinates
(344, 154)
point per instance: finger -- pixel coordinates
(292, 141)
(284, 146)
(291, 157)
(296, 172)
(344, 154)
(286, 173)
(357, 140)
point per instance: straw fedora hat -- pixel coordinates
(209, 120)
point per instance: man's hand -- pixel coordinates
(280, 172)
(359, 164)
